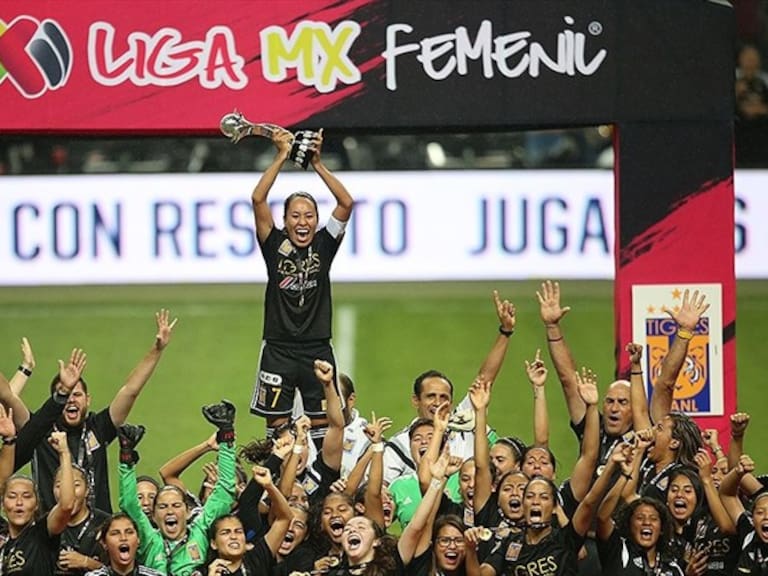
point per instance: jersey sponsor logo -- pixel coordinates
(93, 442)
(286, 248)
(194, 552)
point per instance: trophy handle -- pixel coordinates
(235, 126)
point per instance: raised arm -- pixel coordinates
(333, 442)
(171, 471)
(279, 509)
(282, 139)
(638, 400)
(686, 317)
(409, 540)
(506, 313)
(440, 423)
(480, 397)
(300, 446)
(551, 314)
(124, 399)
(61, 513)
(623, 456)
(26, 367)
(584, 470)
(374, 504)
(729, 487)
(716, 509)
(641, 418)
(8, 450)
(587, 508)
(13, 402)
(344, 202)
(537, 376)
(739, 423)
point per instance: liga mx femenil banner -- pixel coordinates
(179, 65)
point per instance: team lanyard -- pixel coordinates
(84, 460)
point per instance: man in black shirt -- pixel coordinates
(88, 433)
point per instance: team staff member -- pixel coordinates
(297, 306)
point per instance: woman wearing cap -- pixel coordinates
(297, 305)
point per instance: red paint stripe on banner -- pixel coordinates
(687, 247)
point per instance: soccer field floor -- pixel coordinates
(385, 335)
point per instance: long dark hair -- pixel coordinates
(624, 518)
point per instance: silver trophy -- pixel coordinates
(236, 127)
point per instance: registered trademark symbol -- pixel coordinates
(595, 28)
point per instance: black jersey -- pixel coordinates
(619, 555)
(555, 555)
(701, 532)
(33, 553)
(297, 306)
(88, 444)
(82, 538)
(753, 555)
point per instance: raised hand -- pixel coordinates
(549, 303)
(316, 146)
(375, 429)
(27, 356)
(746, 465)
(704, 464)
(454, 465)
(687, 316)
(643, 439)
(283, 140)
(164, 328)
(59, 442)
(129, 436)
(303, 425)
(438, 468)
(587, 386)
(442, 416)
(506, 312)
(711, 438)
(70, 373)
(221, 415)
(623, 455)
(739, 423)
(7, 427)
(339, 485)
(537, 372)
(262, 476)
(324, 372)
(480, 393)
(282, 446)
(635, 352)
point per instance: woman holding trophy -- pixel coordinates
(297, 306)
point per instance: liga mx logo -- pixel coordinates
(34, 56)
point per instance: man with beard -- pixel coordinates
(88, 433)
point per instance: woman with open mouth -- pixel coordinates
(119, 538)
(752, 528)
(637, 543)
(33, 541)
(297, 303)
(552, 550)
(703, 532)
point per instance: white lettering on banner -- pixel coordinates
(513, 54)
(317, 52)
(469, 225)
(163, 59)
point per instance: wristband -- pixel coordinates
(298, 449)
(636, 373)
(24, 370)
(684, 334)
(627, 476)
(504, 332)
(436, 483)
(9, 440)
(554, 339)
(377, 447)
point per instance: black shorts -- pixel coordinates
(285, 368)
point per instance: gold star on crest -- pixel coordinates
(676, 294)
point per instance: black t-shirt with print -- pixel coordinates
(619, 555)
(88, 446)
(555, 555)
(297, 304)
(701, 532)
(33, 553)
(83, 538)
(753, 556)
(491, 516)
